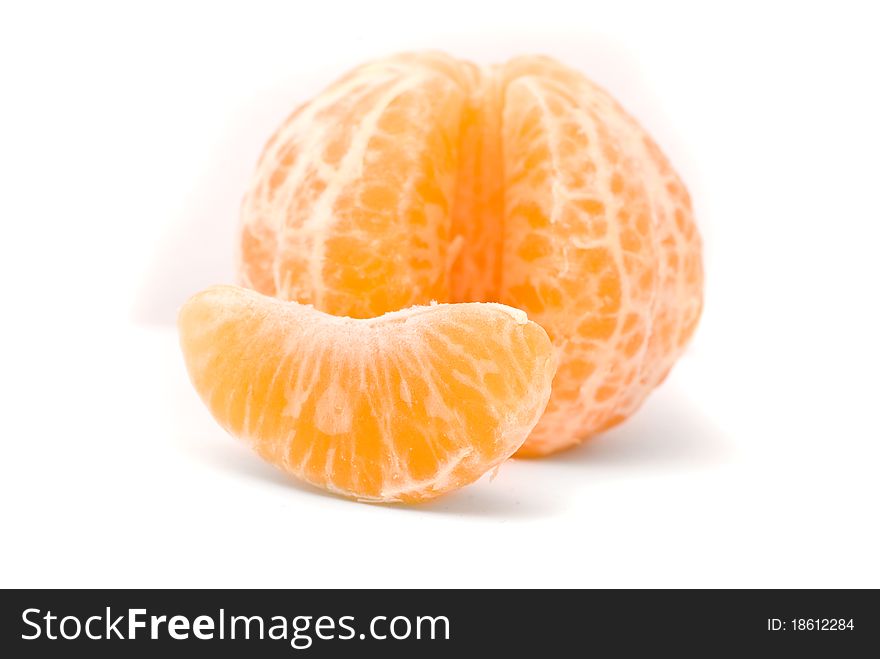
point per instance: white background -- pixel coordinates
(127, 136)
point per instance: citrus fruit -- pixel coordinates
(421, 177)
(403, 407)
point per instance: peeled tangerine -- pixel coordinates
(421, 177)
(403, 407)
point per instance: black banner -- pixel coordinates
(318, 623)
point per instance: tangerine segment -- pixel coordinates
(403, 407)
(600, 247)
(522, 183)
(357, 189)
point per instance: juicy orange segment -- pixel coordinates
(403, 407)
(421, 177)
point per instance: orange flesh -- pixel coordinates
(421, 178)
(404, 407)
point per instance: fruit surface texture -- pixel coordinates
(424, 178)
(402, 407)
